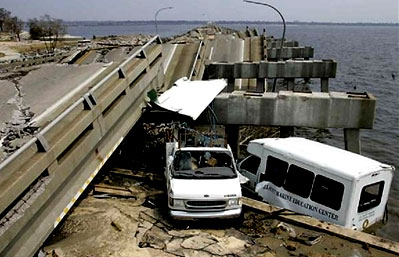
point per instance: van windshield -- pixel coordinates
(203, 165)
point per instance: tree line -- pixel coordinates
(45, 28)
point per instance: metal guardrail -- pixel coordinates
(196, 63)
(201, 59)
(40, 182)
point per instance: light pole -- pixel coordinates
(156, 15)
(283, 37)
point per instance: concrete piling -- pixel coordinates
(352, 140)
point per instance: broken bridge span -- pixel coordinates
(41, 181)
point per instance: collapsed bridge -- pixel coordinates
(40, 182)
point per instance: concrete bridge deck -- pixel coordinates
(41, 181)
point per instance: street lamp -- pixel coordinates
(283, 37)
(156, 15)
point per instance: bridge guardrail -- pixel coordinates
(43, 179)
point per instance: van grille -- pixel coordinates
(206, 204)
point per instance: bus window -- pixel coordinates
(327, 192)
(276, 171)
(371, 196)
(251, 164)
(299, 181)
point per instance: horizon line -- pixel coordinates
(239, 21)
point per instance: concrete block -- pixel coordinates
(318, 110)
(247, 49)
(281, 69)
(263, 70)
(292, 69)
(307, 69)
(246, 70)
(317, 68)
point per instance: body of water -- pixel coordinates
(368, 61)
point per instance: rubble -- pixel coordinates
(120, 226)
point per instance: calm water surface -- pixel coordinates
(368, 58)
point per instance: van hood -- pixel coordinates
(198, 188)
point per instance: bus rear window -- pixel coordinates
(371, 196)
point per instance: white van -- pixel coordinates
(318, 180)
(202, 182)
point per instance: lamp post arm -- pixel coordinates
(283, 37)
(156, 16)
(282, 18)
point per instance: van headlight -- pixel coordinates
(234, 202)
(177, 202)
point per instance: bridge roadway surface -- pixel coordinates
(84, 112)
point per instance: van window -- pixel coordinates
(327, 192)
(299, 181)
(276, 171)
(251, 164)
(371, 196)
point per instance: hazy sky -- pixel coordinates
(211, 10)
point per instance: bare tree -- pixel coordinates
(4, 16)
(47, 29)
(14, 25)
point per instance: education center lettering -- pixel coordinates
(300, 203)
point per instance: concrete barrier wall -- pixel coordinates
(286, 108)
(66, 155)
(276, 43)
(283, 69)
(290, 53)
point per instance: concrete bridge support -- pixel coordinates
(233, 135)
(288, 109)
(352, 140)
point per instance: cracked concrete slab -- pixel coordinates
(31, 93)
(7, 103)
(54, 83)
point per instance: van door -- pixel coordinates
(249, 168)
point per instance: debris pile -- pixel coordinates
(125, 214)
(116, 41)
(199, 34)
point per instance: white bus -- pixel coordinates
(318, 180)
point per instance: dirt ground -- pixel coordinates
(137, 224)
